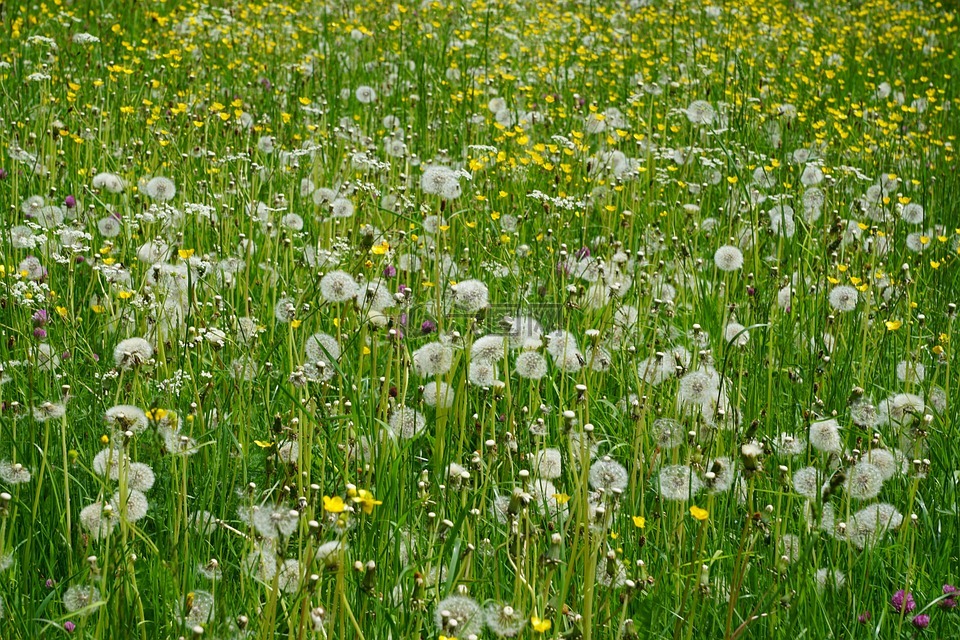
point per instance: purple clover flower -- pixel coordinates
(903, 601)
(950, 602)
(40, 317)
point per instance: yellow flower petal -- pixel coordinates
(540, 626)
(334, 504)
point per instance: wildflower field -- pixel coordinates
(452, 319)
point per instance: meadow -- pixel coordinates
(453, 320)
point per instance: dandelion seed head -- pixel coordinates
(201, 609)
(885, 461)
(901, 409)
(49, 411)
(530, 365)
(136, 505)
(569, 361)
(470, 296)
(910, 372)
(679, 482)
(375, 296)
(698, 387)
(503, 620)
(548, 464)
(99, 521)
(807, 482)
(701, 112)
(843, 298)
(289, 575)
(433, 359)
(728, 258)
(202, 522)
(609, 475)
(108, 182)
(365, 94)
(723, 475)
(465, 610)
(912, 213)
(406, 423)
(829, 579)
(322, 347)
(864, 414)
(342, 208)
(178, 443)
(161, 189)
(438, 394)
(289, 452)
(338, 286)
(826, 521)
(544, 495)
(32, 267)
(436, 179)
(482, 373)
(79, 597)
(787, 444)
(489, 348)
(108, 461)
(824, 436)
(790, 547)
(261, 564)
(14, 473)
(667, 433)
(864, 481)
(870, 524)
(126, 417)
(131, 353)
(140, 476)
(611, 573)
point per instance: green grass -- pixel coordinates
(595, 204)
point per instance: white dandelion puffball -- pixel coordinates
(338, 286)
(843, 298)
(701, 112)
(825, 436)
(365, 94)
(132, 352)
(679, 482)
(728, 258)
(160, 188)
(108, 182)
